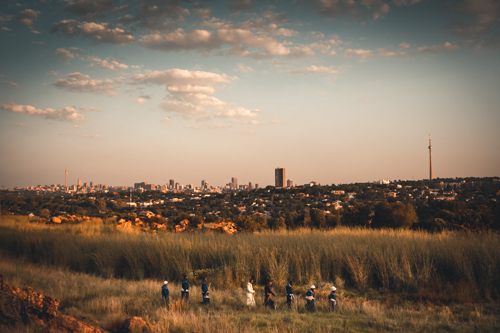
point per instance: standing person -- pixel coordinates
(250, 294)
(310, 298)
(204, 292)
(289, 294)
(268, 300)
(332, 298)
(185, 289)
(165, 294)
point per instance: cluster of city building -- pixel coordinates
(171, 186)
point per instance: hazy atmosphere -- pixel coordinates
(334, 91)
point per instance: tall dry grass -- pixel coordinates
(107, 302)
(440, 267)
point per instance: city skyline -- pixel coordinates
(337, 92)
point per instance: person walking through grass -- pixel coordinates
(289, 294)
(250, 294)
(310, 298)
(185, 289)
(204, 292)
(268, 300)
(332, 299)
(165, 294)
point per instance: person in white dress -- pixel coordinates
(250, 294)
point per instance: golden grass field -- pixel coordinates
(388, 281)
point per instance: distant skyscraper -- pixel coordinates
(250, 185)
(79, 182)
(289, 183)
(172, 183)
(234, 183)
(256, 186)
(66, 178)
(431, 175)
(204, 182)
(279, 177)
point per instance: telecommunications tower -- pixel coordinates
(431, 176)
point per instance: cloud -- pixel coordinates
(404, 45)
(10, 84)
(6, 29)
(87, 136)
(91, 9)
(189, 93)
(316, 69)
(236, 6)
(78, 82)
(351, 53)
(238, 112)
(208, 126)
(180, 76)
(140, 100)
(27, 17)
(55, 73)
(181, 40)
(247, 39)
(478, 17)
(108, 63)
(92, 108)
(63, 114)
(77, 126)
(66, 54)
(245, 69)
(5, 18)
(434, 49)
(21, 125)
(98, 32)
(276, 122)
(157, 15)
(383, 52)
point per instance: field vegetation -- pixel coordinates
(439, 267)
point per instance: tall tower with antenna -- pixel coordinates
(66, 178)
(431, 175)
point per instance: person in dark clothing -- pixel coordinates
(165, 294)
(332, 299)
(185, 289)
(310, 298)
(268, 300)
(204, 292)
(289, 294)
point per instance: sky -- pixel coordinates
(334, 91)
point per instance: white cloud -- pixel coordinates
(64, 114)
(316, 69)
(10, 84)
(189, 93)
(244, 68)
(55, 73)
(27, 17)
(405, 45)
(78, 82)
(238, 112)
(350, 53)
(108, 63)
(98, 32)
(140, 100)
(66, 54)
(92, 108)
(181, 77)
(434, 49)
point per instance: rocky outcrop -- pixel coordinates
(23, 306)
(134, 325)
(67, 324)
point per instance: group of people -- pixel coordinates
(165, 292)
(268, 294)
(290, 297)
